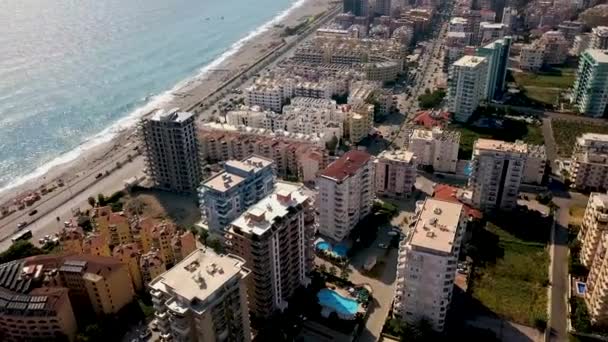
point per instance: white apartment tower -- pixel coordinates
(437, 148)
(395, 173)
(203, 298)
(346, 191)
(599, 38)
(426, 267)
(589, 162)
(594, 244)
(275, 237)
(466, 86)
(171, 150)
(497, 172)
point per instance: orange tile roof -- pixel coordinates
(347, 165)
(448, 193)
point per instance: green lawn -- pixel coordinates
(511, 131)
(510, 275)
(565, 133)
(545, 87)
(561, 78)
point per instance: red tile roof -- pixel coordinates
(448, 193)
(347, 165)
(429, 119)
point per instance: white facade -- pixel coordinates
(268, 93)
(531, 57)
(458, 24)
(536, 164)
(490, 32)
(437, 148)
(346, 191)
(589, 162)
(497, 172)
(466, 86)
(191, 298)
(599, 38)
(305, 115)
(395, 173)
(426, 267)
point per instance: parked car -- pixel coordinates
(22, 225)
(33, 212)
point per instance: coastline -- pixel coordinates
(116, 143)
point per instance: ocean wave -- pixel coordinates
(154, 102)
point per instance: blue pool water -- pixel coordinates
(341, 305)
(468, 169)
(581, 287)
(324, 246)
(340, 250)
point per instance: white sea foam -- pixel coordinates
(154, 102)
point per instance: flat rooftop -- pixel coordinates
(469, 61)
(173, 115)
(599, 198)
(199, 275)
(397, 155)
(252, 163)
(437, 225)
(499, 145)
(223, 181)
(600, 56)
(260, 217)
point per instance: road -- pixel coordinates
(427, 78)
(61, 205)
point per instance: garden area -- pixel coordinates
(510, 130)
(510, 275)
(543, 89)
(565, 133)
(430, 99)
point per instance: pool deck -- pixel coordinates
(344, 293)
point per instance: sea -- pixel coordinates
(75, 72)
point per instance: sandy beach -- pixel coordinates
(102, 163)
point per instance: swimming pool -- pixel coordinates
(340, 250)
(323, 245)
(581, 288)
(468, 169)
(341, 305)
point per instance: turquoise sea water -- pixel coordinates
(69, 69)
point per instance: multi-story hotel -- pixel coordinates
(594, 243)
(42, 296)
(293, 157)
(427, 261)
(346, 190)
(225, 196)
(275, 238)
(171, 150)
(203, 298)
(114, 227)
(497, 170)
(435, 147)
(466, 86)
(590, 91)
(395, 173)
(589, 162)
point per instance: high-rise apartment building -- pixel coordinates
(490, 31)
(497, 55)
(599, 38)
(531, 57)
(427, 261)
(590, 91)
(589, 162)
(554, 46)
(395, 173)
(129, 255)
(435, 147)
(497, 170)
(467, 86)
(346, 191)
(382, 7)
(225, 196)
(152, 265)
(275, 238)
(536, 164)
(171, 150)
(594, 243)
(203, 298)
(114, 227)
(357, 7)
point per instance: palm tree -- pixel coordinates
(322, 268)
(346, 272)
(333, 271)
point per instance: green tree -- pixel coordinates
(91, 201)
(332, 144)
(322, 268)
(345, 273)
(19, 250)
(216, 245)
(333, 271)
(101, 199)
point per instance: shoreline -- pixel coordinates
(115, 142)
